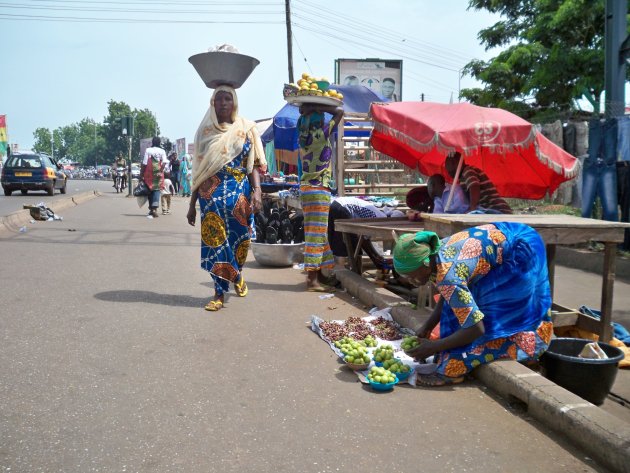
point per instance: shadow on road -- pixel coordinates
(152, 298)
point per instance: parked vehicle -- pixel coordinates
(30, 171)
(135, 171)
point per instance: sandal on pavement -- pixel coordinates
(436, 380)
(320, 289)
(241, 287)
(214, 305)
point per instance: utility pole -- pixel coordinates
(287, 9)
(615, 63)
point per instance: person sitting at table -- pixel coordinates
(481, 191)
(495, 297)
(352, 207)
(439, 191)
(418, 200)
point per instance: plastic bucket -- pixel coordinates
(591, 379)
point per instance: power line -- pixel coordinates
(377, 30)
(8, 16)
(161, 2)
(135, 10)
(317, 32)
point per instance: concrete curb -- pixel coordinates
(591, 261)
(15, 220)
(600, 435)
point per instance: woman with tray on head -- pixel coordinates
(316, 155)
(225, 180)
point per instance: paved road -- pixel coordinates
(110, 364)
(14, 202)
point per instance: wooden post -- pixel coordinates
(551, 266)
(610, 249)
(287, 11)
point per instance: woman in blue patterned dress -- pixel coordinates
(494, 296)
(226, 182)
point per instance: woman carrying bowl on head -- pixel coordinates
(494, 300)
(225, 180)
(316, 155)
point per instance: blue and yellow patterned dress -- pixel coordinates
(496, 273)
(227, 222)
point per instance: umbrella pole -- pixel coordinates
(455, 181)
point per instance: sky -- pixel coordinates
(64, 60)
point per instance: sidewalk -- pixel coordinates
(111, 364)
(602, 432)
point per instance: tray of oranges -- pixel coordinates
(310, 89)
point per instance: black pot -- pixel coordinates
(591, 379)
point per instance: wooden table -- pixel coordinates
(554, 230)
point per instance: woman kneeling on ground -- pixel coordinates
(494, 300)
(225, 180)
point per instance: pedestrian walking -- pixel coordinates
(185, 175)
(152, 173)
(175, 172)
(228, 158)
(167, 191)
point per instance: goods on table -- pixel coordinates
(370, 341)
(396, 366)
(409, 343)
(277, 224)
(383, 353)
(355, 352)
(385, 329)
(381, 375)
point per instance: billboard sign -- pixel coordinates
(180, 145)
(144, 144)
(191, 148)
(383, 76)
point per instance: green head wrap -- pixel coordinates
(413, 251)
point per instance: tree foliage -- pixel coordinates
(553, 54)
(92, 143)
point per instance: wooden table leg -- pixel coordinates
(350, 249)
(610, 250)
(551, 266)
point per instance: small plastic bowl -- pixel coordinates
(381, 386)
(404, 376)
(323, 85)
(357, 367)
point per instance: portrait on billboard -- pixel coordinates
(382, 76)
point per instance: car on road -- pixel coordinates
(135, 171)
(31, 171)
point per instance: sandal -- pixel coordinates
(214, 305)
(320, 289)
(241, 287)
(436, 380)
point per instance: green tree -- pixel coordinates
(42, 140)
(554, 54)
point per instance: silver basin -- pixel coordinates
(279, 254)
(222, 68)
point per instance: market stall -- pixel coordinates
(554, 230)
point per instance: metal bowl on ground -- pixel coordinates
(222, 68)
(278, 254)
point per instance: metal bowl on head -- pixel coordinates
(278, 254)
(222, 68)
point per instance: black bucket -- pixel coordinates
(591, 379)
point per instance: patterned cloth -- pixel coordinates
(488, 196)
(316, 150)
(227, 222)
(316, 206)
(496, 273)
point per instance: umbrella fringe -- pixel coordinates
(468, 150)
(412, 143)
